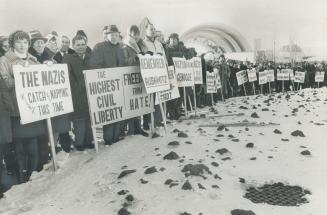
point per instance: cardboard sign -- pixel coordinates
(283, 75)
(291, 74)
(184, 72)
(320, 76)
(211, 85)
(241, 77)
(116, 94)
(252, 75)
(171, 94)
(270, 75)
(154, 73)
(217, 79)
(262, 77)
(299, 77)
(197, 68)
(42, 91)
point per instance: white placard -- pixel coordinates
(211, 82)
(252, 75)
(291, 74)
(116, 94)
(184, 72)
(217, 79)
(319, 76)
(171, 94)
(154, 73)
(241, 77)
(299, 77)
(197, 68)
(270, 75)
(262, 77)
(283, 75)
(42, 91)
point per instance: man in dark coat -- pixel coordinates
(108, 54)
(64, 50)
(175, 49)
(77, 62)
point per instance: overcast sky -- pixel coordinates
(303, 20)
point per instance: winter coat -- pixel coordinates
(76, 65)
(5, 123)
(131, 49)
(9, 97)
(152, 46)
(106, 55)
(7, 76)
(177, 51)
(41, 58)
(58, 56)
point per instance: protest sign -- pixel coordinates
(171, 94)
(283, 75)
(184, 72)
(299, 77)
(42, 91)
(116, 94)
(241, 77)
(252, 75)
(217, 79)
(319, 76)
(197, 68)
(291, 74)
(270, 75)
(262, 77)
(211, 85)
(154, 73)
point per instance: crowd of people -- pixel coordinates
(24, 148)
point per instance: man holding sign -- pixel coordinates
(175, 49)
(109, 54)
(154, 47)
(78, 62)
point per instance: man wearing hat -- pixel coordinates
(109, 54)
(82, 33)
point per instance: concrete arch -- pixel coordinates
(224, 37)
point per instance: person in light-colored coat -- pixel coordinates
(24, 136)
(132, 47)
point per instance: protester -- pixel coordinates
(37, 48)
(132, 47)
(64, 49)
(174, 49)
(152, 46)
(224, 73)
(5, 123)
(4, 45)
(108, 54)
(77, 62)
(82, 33)
(52, 44)
(24, 136)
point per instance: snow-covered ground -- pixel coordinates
(87, 183)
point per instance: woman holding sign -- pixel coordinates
(24, 136)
